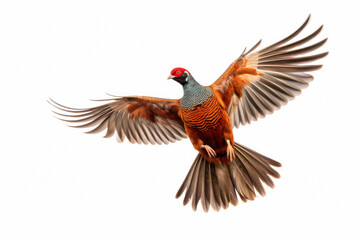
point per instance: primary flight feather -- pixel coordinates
(255, 84)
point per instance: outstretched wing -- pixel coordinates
(140, 119)
(259, 83)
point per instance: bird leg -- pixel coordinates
(209, 151)
(230, 153)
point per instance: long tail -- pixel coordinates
(216, 185)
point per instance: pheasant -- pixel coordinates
(255, 84)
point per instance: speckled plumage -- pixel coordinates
(194, 94)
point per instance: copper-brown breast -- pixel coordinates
(204, 116)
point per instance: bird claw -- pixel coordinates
(211, 152)
(230, 153)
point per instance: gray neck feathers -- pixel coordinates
(194, 94)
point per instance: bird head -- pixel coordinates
(181, 75)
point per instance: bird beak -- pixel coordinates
(170, 77)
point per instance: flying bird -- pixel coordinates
(254, 85)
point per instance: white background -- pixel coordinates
(58, 183)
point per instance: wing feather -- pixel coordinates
(119, 127)
(259, 83)
(111, 127)
(139, 119)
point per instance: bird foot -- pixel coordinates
(230, 153)
(211, 152)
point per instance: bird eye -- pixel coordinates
(178, 72)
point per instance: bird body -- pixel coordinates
(205, 120)
(254, 85)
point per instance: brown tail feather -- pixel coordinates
(218, 185)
